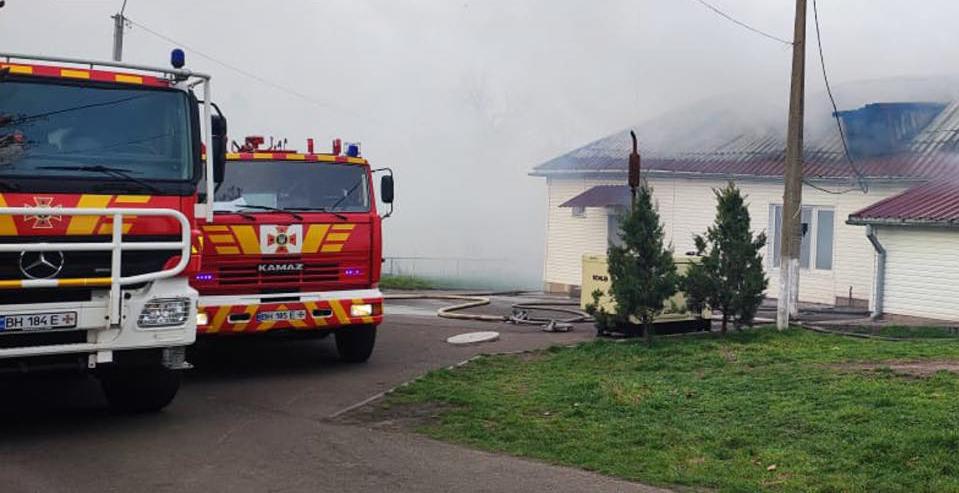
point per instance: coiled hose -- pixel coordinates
(520, 311)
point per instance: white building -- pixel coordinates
(894, 146)
(916, 236)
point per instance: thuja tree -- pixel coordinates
(729, 276)
(641, 269)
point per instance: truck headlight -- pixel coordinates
(164, 312)
(363, 310)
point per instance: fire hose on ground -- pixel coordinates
(520, 312)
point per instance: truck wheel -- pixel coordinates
(355, 344)
(140, 390)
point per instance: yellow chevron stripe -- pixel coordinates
(222, 239)
(84, 225)
(129, 79)
(216, 229)
(132, 199)
(19, 69)
(247, 238)
(338, 247)
(227, 250)
(342, 237)
(343, 227)
(218, 319)
(107, 228)
(11, 284)
(74, 74)
(314, 236)
(7, 226)
(339, 312)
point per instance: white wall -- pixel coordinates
(921, 272)
(687, 206)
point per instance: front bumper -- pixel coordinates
(323, 311)
(102, 338)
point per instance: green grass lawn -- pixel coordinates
(756, 411)
(906, 332)
(405, 282)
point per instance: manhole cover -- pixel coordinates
(473, 338)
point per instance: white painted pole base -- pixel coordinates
(787, 304)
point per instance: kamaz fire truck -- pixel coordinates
(99, 170)
(296, 248)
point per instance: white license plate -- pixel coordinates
(281, 316)
(38, 321)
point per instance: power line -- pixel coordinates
(826, 190)
(861, 180)
(236, 69)
(742, 24)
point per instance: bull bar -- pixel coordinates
(116, 246)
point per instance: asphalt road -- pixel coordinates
(254, 416)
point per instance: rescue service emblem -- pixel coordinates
(281, 239)
(43, 221)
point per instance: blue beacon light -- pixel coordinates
(177, 58)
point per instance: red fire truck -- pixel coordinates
(99, 170)
(296, 247)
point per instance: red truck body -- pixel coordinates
(296, 270)
(99, 171)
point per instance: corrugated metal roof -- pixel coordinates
(933, 152)
(600, 196)
(935, 203)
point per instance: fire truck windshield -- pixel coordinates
(292, 186)
(54, 130)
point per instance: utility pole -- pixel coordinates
(791, 233)
(118, 22)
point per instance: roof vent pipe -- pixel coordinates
(878, 287)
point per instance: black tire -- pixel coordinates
(140, 389)
(355, 343)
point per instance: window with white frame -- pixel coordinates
(579, 211)
(817, 241)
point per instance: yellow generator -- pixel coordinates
(675, 317)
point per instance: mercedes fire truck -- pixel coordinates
(296, 248)
(99, 170)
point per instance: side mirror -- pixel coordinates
(219, 129)
(386, 189)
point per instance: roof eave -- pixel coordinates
(927, 223)
(725, 176)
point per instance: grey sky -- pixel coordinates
(462, 98)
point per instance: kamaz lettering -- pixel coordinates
(279, 268)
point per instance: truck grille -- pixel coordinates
(250, 275)
(78, 265)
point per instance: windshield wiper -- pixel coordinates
(274, 209)
(323, 209)
(348, 193)
(107, 170)
(244, 215)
